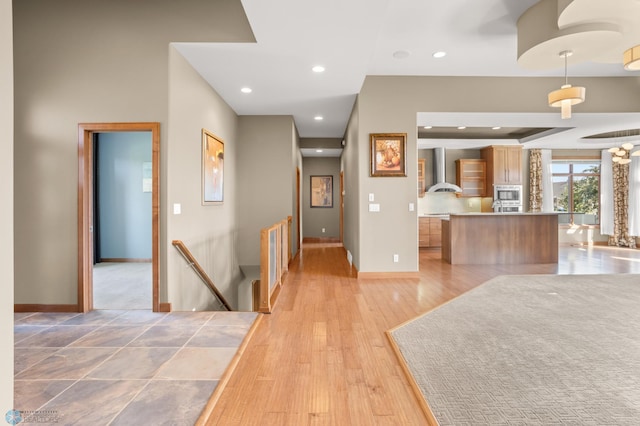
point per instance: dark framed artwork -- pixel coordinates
(321, 191)
(212, 169)
(388, 154)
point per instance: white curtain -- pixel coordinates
(634, 195)
(547, 181)
(606, 194)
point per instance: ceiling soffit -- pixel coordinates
(593, 30)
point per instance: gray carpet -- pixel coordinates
(531, 350)
(125, 285)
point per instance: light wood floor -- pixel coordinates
(322, 356)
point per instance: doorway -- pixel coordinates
(89, 223)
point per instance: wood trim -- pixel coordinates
(289, 249)
(255, 295)
(224, 380)
(298, 225)
(575, 157)
(164, 307)
(386, 275)
(341, 201)
(125, 260)
(422, 402)
(85, 251)
(27, 307)
(264, 302)
(85, 194)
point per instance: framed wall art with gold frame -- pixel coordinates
(388, 154)
(212, 169)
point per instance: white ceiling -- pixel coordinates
(356, 38)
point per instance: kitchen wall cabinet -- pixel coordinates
(504, 166)
(422, 182)
(429, 232)
(471, 177)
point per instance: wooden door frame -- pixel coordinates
(85, 209)
(341, 197)
(298, 226)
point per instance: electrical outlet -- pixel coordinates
(323, 230)
(396, 258)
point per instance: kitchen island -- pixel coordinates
(500, 238)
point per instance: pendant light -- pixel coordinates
(567, 95)
(631, 59)
(620, 154)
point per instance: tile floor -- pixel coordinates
(111, 367)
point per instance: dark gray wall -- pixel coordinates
(316, 218)
(125, 209)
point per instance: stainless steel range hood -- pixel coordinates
(439, 174)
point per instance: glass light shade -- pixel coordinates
(627, 145)
(625, 161)
(631, 59)
(621, 153)
(615, 159)
(636, 154)
(612, 150)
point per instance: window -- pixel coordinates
(576, 190)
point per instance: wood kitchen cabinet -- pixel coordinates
(429, 232)
(423, 232)
(471, 177)
(422, 183)
(504, 166)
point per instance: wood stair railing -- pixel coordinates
(184, 251)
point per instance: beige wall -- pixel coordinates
(6, 213)
(89, 61)
(350, 167)
(265, 182)
(296, 194)
(390, 104)
(209, 231)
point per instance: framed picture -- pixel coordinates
(388, 154)
(321, 191)
(212, 169)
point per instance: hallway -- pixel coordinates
(322, 356)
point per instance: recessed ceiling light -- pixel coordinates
(428, 127)
(318, 150)
(318, 68)
(440, 54)
(496, 128)
(318, 118)
(246, 90)
(461, 127)
(401, 54)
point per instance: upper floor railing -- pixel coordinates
(274, 264)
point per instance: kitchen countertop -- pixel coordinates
(505, 214)
(445, 216)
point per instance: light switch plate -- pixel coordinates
(177, 208)
(372, 197)
(411, 207)
(374, 207)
